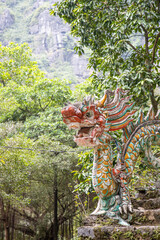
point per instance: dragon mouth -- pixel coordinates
(85, 137)
(84, 132)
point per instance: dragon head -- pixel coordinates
(94, 119)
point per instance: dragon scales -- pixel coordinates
(94, 120)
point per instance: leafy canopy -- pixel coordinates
(26, 95)
(34, 145)
(123, 36)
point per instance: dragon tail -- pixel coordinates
(139, 138)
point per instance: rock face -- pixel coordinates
(6, 20)
(48, 36)
(145, 223)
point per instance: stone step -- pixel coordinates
(148, 217)
(144, 225)
(98, 232)
(140, 216)
(147, 194)
(152, 203)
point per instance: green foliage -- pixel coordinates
(109, 30)
(34, 148)
(16, 65)
(83, 89)
(15, 168)
(144, 177)
(27, 96)
(24, 91)
(83, 174)
(63, 156)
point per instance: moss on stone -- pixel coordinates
(129, 235)
(156, 234)
(116, 235)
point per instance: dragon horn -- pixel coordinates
(102, 101)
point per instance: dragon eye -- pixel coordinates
(89, 114)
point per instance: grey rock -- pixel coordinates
(6, 19)
(86, 232)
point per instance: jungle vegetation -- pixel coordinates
(36, 152)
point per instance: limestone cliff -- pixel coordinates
(48, 36)
(6, 19)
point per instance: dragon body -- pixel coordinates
(93, 122)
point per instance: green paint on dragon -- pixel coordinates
(94, 121)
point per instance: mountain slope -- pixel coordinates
(29, 21)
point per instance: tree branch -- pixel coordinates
(40, 104)
(154, 47)
(24, 214)
(2, 209)
(130, 44)
(24, 110)
(146, 39)
(26, 230)
(44, 108)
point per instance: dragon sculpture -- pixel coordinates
(93, 121)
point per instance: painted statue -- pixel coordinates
(93, 121)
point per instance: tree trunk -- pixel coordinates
(70, 228)
(7, 223)
(12, 224)
(62, 230)
(154, 102)
(7, 231)
(5, 217)
(55, 229)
